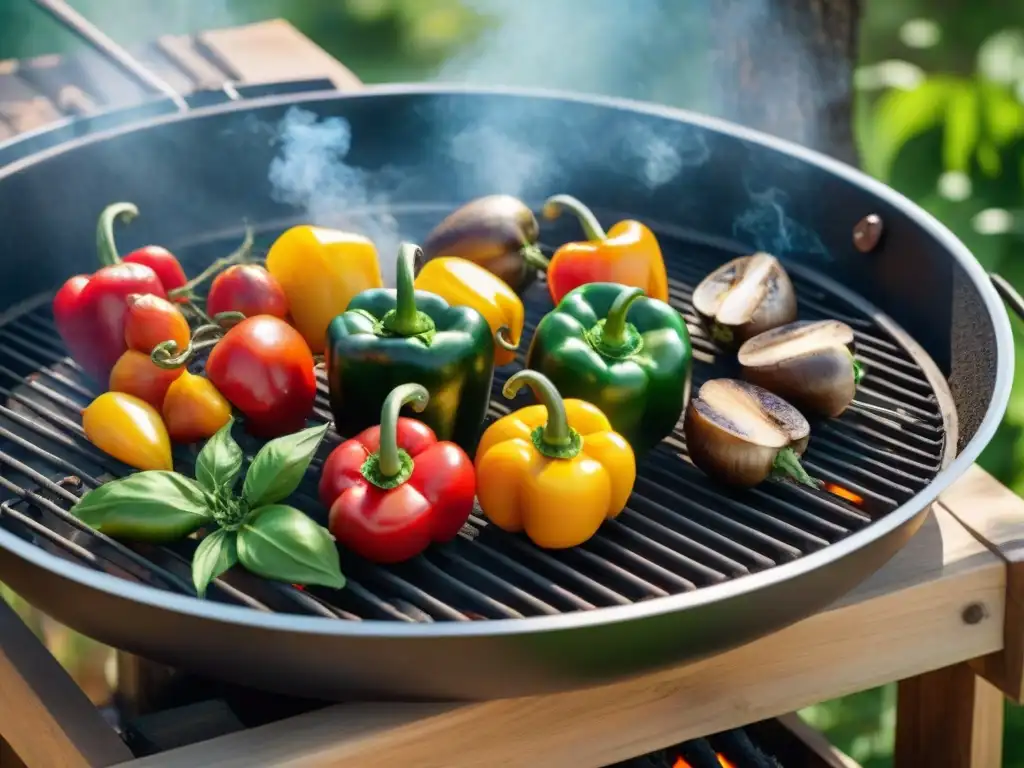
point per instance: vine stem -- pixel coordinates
(238, 256)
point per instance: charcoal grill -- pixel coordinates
(689, 569)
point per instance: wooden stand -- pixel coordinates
(947, 609)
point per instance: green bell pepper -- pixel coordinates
(390, 337)
(628, 355)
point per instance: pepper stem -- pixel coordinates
(787, 463)
(556, 439)
(405, 319)
(591, 226)
(533, 257)
(390, 461)
(859, 372)
(105, 245)
(502, 340)
(615, 326)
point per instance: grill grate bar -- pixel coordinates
(513, 593)
(555, 590)
(679, 532)
(859, 449)
(44, 503)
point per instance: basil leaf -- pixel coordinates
(155, 506)
(220, 461)
(279, 542)
(214, 555)
(280, 465)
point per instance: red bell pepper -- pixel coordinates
(164, 263)
(394, 489)
(156, 257)
(90, 310)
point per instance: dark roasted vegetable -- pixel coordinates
(810, 364)
(741, 434)
(745, 297)
(498, 232)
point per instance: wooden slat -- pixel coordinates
(46, 718)
(181, 50)
(39, 91)
(949, 718)
(906, 620)
(268, 51)
(22, 107)
(996, 517)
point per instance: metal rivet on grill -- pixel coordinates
(973, 613)
(867, 233)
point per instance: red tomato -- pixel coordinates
(264, 367)
(249, 289)
(161, 261)
(152, 320)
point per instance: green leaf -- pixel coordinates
(152, 506)
(962, 127)
(281, 543)
(279, 467)
(214, 555)
(902, 115)
(220, 461)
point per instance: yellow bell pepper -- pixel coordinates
(464, 284)
(554, 470)
(320, 271)
(129, 429)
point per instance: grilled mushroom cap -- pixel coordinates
(745, 297)
(498, 232)
(739, 433)
(810, 364)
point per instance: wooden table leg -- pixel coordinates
(949, 718)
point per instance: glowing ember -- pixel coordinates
(680, 763)
(843, 493)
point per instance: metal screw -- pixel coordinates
(973, 613)
(867, 233)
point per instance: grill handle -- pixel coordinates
(1008, 293)
(85, 30)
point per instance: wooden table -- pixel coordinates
(945, 617)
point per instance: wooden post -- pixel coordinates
(47, 719)
(949, 718)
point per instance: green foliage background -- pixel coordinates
(940, 117)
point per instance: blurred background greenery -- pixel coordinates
(939, 116)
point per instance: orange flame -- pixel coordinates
(843, 493)
(680, 763)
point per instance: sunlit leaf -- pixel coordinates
(1002, 113)
(900, 116)
(963, 126)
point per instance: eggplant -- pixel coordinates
(745, 297)
(497, 232)
(740, 434)
(810, 364)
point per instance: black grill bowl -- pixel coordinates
(690, 569)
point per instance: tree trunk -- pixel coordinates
(788, 69)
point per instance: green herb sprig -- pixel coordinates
(253, 529)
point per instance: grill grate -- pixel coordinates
(678, 533)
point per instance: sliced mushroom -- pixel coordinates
(741, 434)
(745, 297)
(809, 363)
